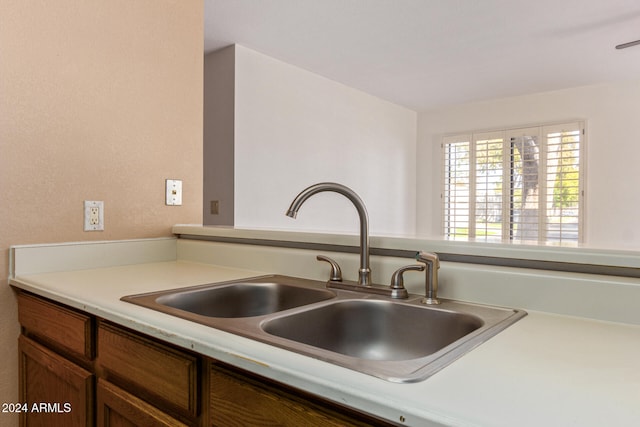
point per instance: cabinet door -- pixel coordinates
(117, 408)
(56, 391)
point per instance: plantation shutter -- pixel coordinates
(564, 192)
(490, 171)
(514, 185)
(525, 165)
(457, 185)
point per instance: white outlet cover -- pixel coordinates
(174, 192)
(93, 215)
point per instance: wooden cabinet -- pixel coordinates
(238, 399)
(159, 373)
(68, 331)
(54, 390)
(117, 408)
(56, 352)
(93, 372)
(63, 352)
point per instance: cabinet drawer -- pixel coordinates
(237, 400)
(160, 374)
(63, 329)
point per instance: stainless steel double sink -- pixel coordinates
(396, 340)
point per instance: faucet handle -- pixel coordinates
(336, 273)
(397, 281)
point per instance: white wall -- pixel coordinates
(294, 128)
(613, 152)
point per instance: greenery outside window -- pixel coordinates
(516, 185)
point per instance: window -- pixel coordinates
(520, 185)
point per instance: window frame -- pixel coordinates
(451, 221)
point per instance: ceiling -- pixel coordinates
(427, 54)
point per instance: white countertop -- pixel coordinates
(545, 370)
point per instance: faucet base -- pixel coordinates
(370, 289)
(430, 301)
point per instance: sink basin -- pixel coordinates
(247, 298)
(396, 340)
(243, 299)
(374, 330)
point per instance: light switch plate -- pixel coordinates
(174, 192)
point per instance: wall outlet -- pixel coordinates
(174, 192)
(93, 215)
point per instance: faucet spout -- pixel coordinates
(364, 273)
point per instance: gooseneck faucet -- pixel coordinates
(364, 273)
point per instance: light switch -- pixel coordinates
(174, 192)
